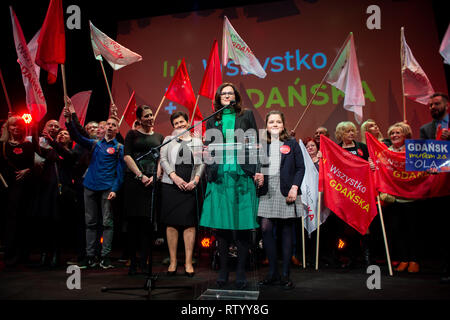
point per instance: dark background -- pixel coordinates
(82, 70)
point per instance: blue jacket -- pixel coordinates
(105, 170)
(292, 169)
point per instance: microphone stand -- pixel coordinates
(150, 282)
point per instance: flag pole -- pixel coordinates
(401, 71)
(303, 242)
(106, 81)
(384, 235)
(6, 92)
(321, 82)
(157, 110)
(193, 112)
(318, 231)
(63, 72)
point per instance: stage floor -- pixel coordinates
(32, 283)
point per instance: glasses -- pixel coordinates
(227, 93)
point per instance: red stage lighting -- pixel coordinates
(27, 118)
(206, 242)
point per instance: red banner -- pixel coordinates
(391, 177)
(346, 183)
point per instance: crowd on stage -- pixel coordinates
(86, 185)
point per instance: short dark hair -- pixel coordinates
(440, 94)
(177, 115)
(140, 110)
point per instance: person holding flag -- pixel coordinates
(230, 205)
(345, 135)
(280, 202)
(403, 213)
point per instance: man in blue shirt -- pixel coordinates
(103, 179)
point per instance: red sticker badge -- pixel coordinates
(110, 150)
(284, 149)
(18, 150)
(360, 152)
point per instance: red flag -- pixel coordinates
(180, 91)
(212, 77)
(80, 103)
(52, 41)
(129, 115)
(391, 177)
(346, 182)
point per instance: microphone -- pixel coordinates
(232, 103)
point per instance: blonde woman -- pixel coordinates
(403, 214)
(372, 127)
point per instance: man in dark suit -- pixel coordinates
(438, 128)
(439, 105)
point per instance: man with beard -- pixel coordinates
(439, 127)
(439, 112)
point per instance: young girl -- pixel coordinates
(280, 201)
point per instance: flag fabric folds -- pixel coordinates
(310, 193)
(180, 91)
(117, 55)
(129, 115)
(234, 48)
(346, 182)
(345, 76)
(212, 77)
(416, 85)
(34, 95)
(444, 49)
(52, 41)
(391, 177)
(80, 102)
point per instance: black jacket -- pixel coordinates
(292, 169)
(245, 121)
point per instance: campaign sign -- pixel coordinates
(424, 155)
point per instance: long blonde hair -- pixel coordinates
(5, 128)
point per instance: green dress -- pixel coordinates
(230, 201)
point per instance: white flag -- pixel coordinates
(310, 193)
(416, 85)
(345, 77)
(117, 55)
(234, 48)
(444, 50)
(34, 96)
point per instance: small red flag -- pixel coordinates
(180, 91)
(52, 41)
(129, 114)
(212, 77)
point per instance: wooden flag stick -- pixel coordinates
(106, 81)
(63, 72)
(321, 82)
(384, 236)
(303, 242)
(402, 60)
(318, 231)
(193, 112)
(6, 93)
(3, 181)
(157, 110)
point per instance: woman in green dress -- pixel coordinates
(230, 206)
